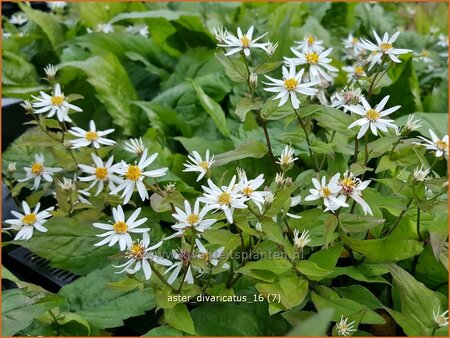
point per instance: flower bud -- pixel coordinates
(12, 167)
(253, 80)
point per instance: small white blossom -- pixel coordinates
(352, 187)
(197, 164)
(271, 48)
(213, 257)
(37, 171)
(301, 241)
(138, 30)
(11, 167)
(440, 146)
(287, 157)
(420, 175)
(346, 97)
(243, 42)
(372, 117)
(226, 198)
(27, 222)
(327, 192)
(354, 72)
(248, 189)
(120, 230)
(344, 328)
(383, 47)
(54, 104)
(441, 319)
(56, 5)
(101, 174)
(139, 254)
(89, 137)
(135, 146)
(310, 44)
(184, 257)
(192, 217)
(316, 61)
(412, 124)
(351, 43)
(51, 71)
(134, 175)
(289, 86)
(18, 19)
(220, 34)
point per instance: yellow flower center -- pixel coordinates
(354, 41)
(37, 169)
(359, 70)
(247, 191)
(192, 219)
(133, 173)
(137, 251)
(326, 192)
(310, 39)
(290, 84)
(285, 159)
(312, 58)
(101, 173)
(29, 219)
(425, 53)
(57, 100)
(205, 256)
(204, 165)
(120, 227)
(224, 198)
(348, 185)
(385, 46)
(91, 135)
(441, 145)
(372, 115)
(245, 41)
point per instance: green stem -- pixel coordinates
(161, 277)
(355, 155)
(371, 88)
(333, 134)
(308, 141)
(399, 218)
(189, 263)
(419, 235)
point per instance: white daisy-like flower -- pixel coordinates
(243, 42)
(347, 96)
(197, 164)
(344, 328)
(372, 117)
(192, 217)
(317, 62)
(220, 34)
(213, 257)
(248, 189)
(67, 185)
(101, 174)
(424, 56)
(327, 192)
(28, 221)
(441, 319)
(420, 175)
(56, 5)
(287, 158)
(310, 44)
(225, 198)
(37, 171)
(18, 19)
(89, 137)
(120, 230)
(289, 86)
(54, 104)
(6, 35)
(301, 241)
(133, 176)
(50, 71)
(271, 48)
(383, 47)
(442, 41)
(354, 72)
(352, 44)
(139, 254)
(135, 146)
(352, 187)
(184, 260)
(102, 28)
(138, 30)
(411, 124)
(440, 146)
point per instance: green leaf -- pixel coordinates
(358, 223)
(327, 258)
(330, 225)
(267, 270)
(246, 105)
(180, 318)
(311, 270)
(69, 245)
(47, 22)
(417, 303)
(253, 149)
(291, 289)
(272, 230)
(360, 294)
(113, 88)
(324, 297)
(74, 324)
(102, 306)
(20, 307)
(164, 330)
(235, 70)
(316, 324)
(17, 71)
(213, 109)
